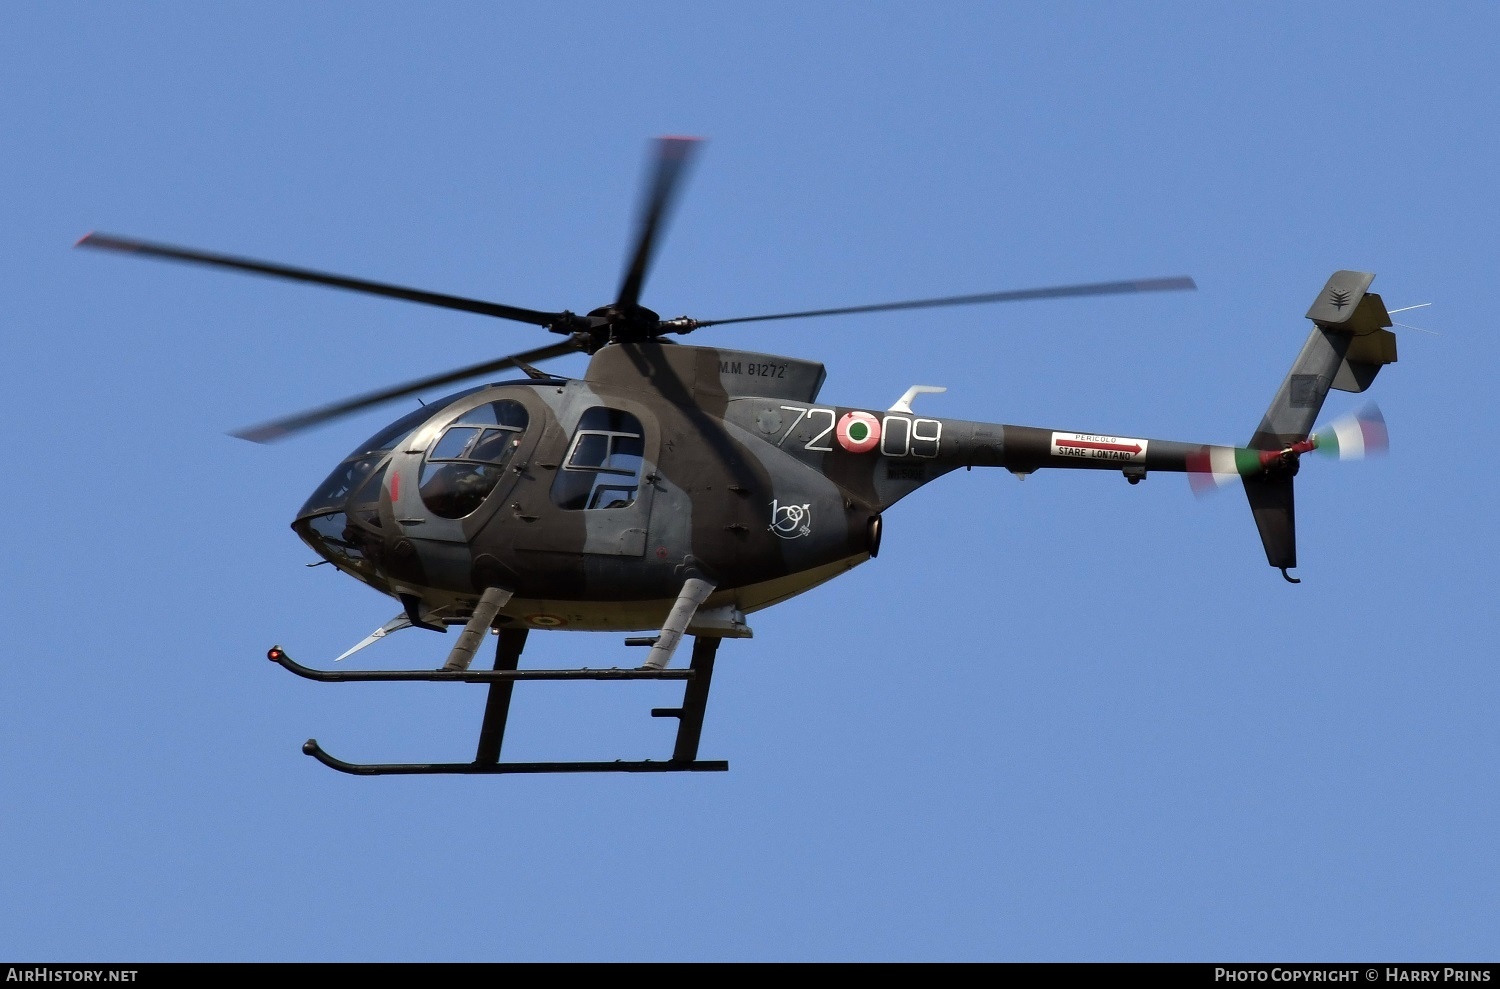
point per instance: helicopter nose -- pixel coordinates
(338, 541)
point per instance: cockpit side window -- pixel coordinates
(466, 462)
(603, 465)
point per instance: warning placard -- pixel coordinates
(1091, 446)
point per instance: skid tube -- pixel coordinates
(502, 680)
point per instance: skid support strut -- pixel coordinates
(497, 704)
(694, 700)
(472, 637)
(502, 680)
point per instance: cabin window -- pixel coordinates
(469, 458)
(603, 465)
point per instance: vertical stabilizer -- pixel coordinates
(1274, 508)
(1347, 347)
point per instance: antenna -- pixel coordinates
(1420, 305)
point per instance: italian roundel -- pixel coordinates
(859, 432)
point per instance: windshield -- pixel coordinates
(356, 468)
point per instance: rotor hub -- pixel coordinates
(624, 323)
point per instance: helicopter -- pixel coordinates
(675, 490)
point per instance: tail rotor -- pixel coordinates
(1352, 437)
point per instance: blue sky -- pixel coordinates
(1060, 719)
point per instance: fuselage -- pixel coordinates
(591, 500)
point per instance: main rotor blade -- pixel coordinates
(130, 246)
(281, 428)
(1057, 292)
(673, 154)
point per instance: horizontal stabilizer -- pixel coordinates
(1346, 306)
(1337, 305)
(1347, 347)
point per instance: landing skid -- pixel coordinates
(502, 680)
(311, 747)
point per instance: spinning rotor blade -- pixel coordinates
(673, 154)
(1354, 437)
(1057, 292)
(129, 246)
(1350, 437)
(280, 428)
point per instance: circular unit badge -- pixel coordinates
(858, 432)
(546, 621)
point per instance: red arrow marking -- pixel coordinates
(1132, 448)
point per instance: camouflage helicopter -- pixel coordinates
(675, 490)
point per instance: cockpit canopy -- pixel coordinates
(341, 520)
(355, 471)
